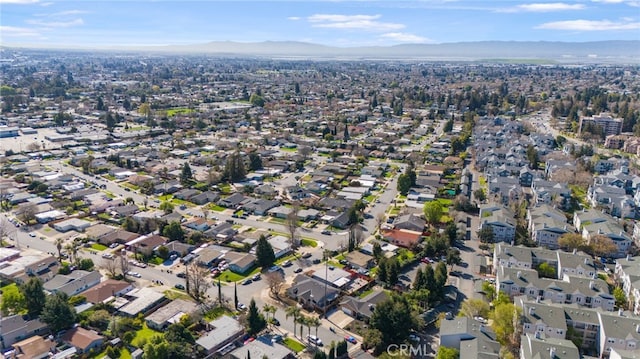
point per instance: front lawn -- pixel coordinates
(309, 243)
(174, 294)
(143, 336)
(215, 207)
(124, 354)
(293, 344)
(98, 246)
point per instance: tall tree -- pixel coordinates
(292, 225)
(58, 313)
(601, 245)
(571, 241)
(255, 161)
(197, 283)
(264, 253)
(235, 170)
(433, 212)
(294, 312)
(255, 320)
(394, 319)
(186, 175)
(33, 293)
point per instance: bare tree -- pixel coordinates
(305, 151)
(275, 280)
(380, 220)
(6, 229)
(196, 282)
(110, 266)
(33, 147)
(124, 264)
(28, 213)
(292, 225)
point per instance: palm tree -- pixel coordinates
(69, 248)
(314, 322)
(59, 242)
(304, 321)
(293, 311)
(268, 309)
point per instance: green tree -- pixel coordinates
(453, 257)
(177, 333)
(433, 212)
(546, 271)
(485, 234)
(13, 302)
(489, 290)
(255, 161)
(163, 252)
(173, 231)
(58, 313)
(110, 121)
(256, 100)
(373, 340)
(404, 184)
(571, 241)
(156, 348)
(33, 293)
(620, 297)
(235, 170)
(166, 206)
(480, 195)
(472, 307)
(504, 316)
(186, 175)
(255, 320)
(264, 253)
(394, 319)
(447, 353)
(419, 280)
(382, 270)
(85, 264)
(452, 232)
(293, 312)
(533, 157)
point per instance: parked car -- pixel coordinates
(247, 281)
(32, 235)
(256, 277)
(181, 275)
(179, 286)
(326, 232)
(306, 255)
(315, 340)
(414, 338)
(350, 339)
(242, 306)
(297, 270)
(287, 263)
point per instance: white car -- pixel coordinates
(242, 306)
(315, 340)
(134, 274)
(32, 235)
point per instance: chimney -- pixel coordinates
(520, 274)
(628, 257)
(532, 311)
(552, 353)
(592, 285)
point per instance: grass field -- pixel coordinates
(98, 246)
(143, 335)
(215, 207)
(309, 243)
(293, 344)
(178, 111)
(124, 354)
(174, 294)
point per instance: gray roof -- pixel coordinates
(542, 347)
(261, 348)
(223, 329)
(619, 327)
(174, 308)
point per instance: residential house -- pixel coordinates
(618, 332)
(221, 333)
(262, 347)
(106, 291)
(205, 197)
(146, 244)
(73, 283)
(360, 260)
(170, 313)
(501, 220)
(403, 237)
(546, 225)
(208, 257)
(543, 318)
(627, 272)
(180, 249)
(551, 192)
(362, 308)
(240, 262)
(35, 347)
(222, 231)
(409, 222)
(540, 346)
(260, 207)
(18, 327)
(233, 201)
(312, 293)
(280, 244)
(82, 339)
(139, 300)
(471, 338)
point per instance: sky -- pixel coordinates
(349, 23)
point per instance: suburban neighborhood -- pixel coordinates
(187, 207)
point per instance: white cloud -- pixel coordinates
(634, 3)
(353, 22)
(70, 23)
(405, 37)
(14, 31)
(589, 25)
(543, 7)
(293, 18)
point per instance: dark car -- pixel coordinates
(275, 322)
(179, 286)
(317, 261)
(306, 255)
(181, 275)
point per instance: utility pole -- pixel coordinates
(326, 275)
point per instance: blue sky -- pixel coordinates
(89, 23)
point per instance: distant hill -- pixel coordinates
(601, 51)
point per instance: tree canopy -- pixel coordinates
(264, 253)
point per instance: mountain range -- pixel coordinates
(601, 51)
